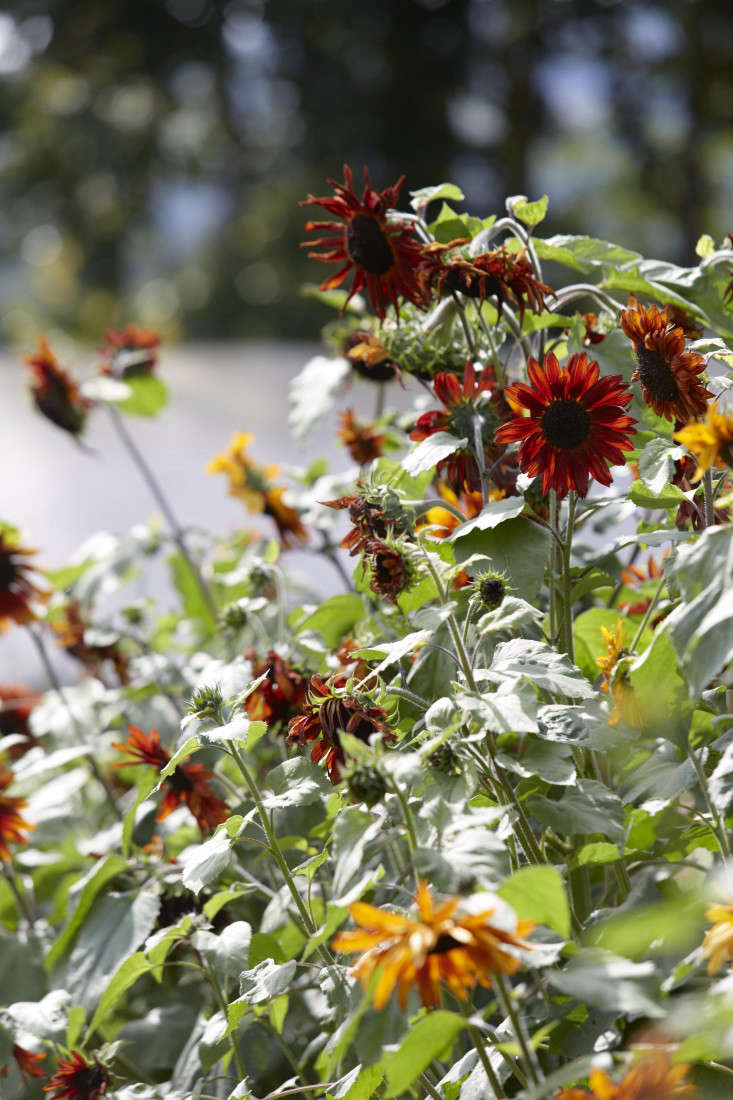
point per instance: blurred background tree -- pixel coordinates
(153, 152)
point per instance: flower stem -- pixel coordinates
(648, 614)
(554, 629)
(719, 830)
(221, 1001)
(20, 898)
(162, 502)
(567, 606)
(407, 816)
(529, 1056)
(466, 330)
(707, 487)
(480, 1048)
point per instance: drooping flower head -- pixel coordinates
(711, 442)
(329, 711)
(131, 352)
(77, 1079)
(509, 276)
(16, 704)
(369, 357)
(438, 945)
(360, 439)
(18, 588)
(372, 518)
(252, 484)
(652, 1078)
(55, 393)
(280, 695)
(13, 827)
(669, 376)
(616, 679)
(717, 946)
(187, 785)
(392, 571)
(576, 426)
(383, 254)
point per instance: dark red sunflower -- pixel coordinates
(77, 1079)
(360, 440)
(28, 1062)
(130, 352)
(187, 785)
(18, 589)
(391, 570)
(55, 393)
(16, 703)
(668, 375)
(370, 521)
(280, 695)
(13, 827)
(70, 628)
(509, 276)
(576, 425)
(461, 407)
(330, 711)
(384, 254)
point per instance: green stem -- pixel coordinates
(221, 1001)
(720, 831)
(529, 1056)
(648, 614)
(409, 696)
(20, 899)
(466, 330)
(430, 1089)
(707, 486)
(566, 580)
(554, 629)
(407, 816)
(480, 1048)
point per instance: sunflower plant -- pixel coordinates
(458, 826)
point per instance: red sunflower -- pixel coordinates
(576, 426)
(669, 375)
(509, 276)
(360, 439)
(328, 713)
(77, 1079)
(55, 393)
(18, 591)
(13, 827)
(384, 254)
(16, 703)
(187, 785)
(28, 1062)
(280, 695)
(130, 352)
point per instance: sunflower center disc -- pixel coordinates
(655, 375)
(565, 424)
(367, 245)
(8, 572)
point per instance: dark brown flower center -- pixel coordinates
(655, 374)
(8, 572)
(443, 944)
(368, 246)
(565, 424)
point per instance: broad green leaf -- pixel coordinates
(538, 894)
(531, 213)
(425, 195)
(226, 952)
(670, 496)
(148, 396)
(589, 643)
(296, 782)
(589, 807)
(205, 862)
(663, 928)
(495, 513)
(721, 782)
(582, 253)
(656, 463)
(267, 980)
(597, 853)
(432, 1037)
(428, 453)
(607, 981)
(660, 688)
(103, 873)
(335, 618)
(391, 652)
(518, 547)
(313, 392)
(187, 585)
(361, 1083)
(128, 973)
(542, 665)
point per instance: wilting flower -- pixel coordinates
(443, 522)
(18, 591)
(616, 679)
(329, 712)
(384, 254)
(360, 440)
(462, 409)
(669, 376)
(16, 704)
(187, 785)
(576, 425)
(653, 1078)
(12, 826)
(717, 946)
(372, 519)
(55, 393)
(131, 352)
(509, 276)
(369, 358)
(77, 1079)
(27, 1061)
(70, 627)
(680, 318)
(438, 946)
(711, 442)
(391, 569)
(251, 484)
(280, 695)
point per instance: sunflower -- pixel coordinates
(384, 254)
(391, 570)
(711, 442)
(18, 591)
(187, 785)
(438, 946)
(577, 423)
(616, 679)
(509, 276)
(330, 711)
(369, 358)
(252, 484)
(668, 375)
(280, 695)
(360, 440)
(652, 1078)
(55, 393)
(370, 519)
(131, 352)
(12, 826)
(16, 704)
(77, 1079)
(443, 522)
(28, 1062)
(717, 946)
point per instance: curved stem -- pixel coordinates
(529, 1056)
(720, 831)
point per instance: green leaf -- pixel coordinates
(390, 652)
(495, 513)
(187, 586)
(127, 974)
(449, 226)
(660, 688)
(206, 861)
(609, 982)
(587, 808)
(296, 782)
(362, 1083)
(542, 665)
(538, 894)
(427, 454)
(597, 853)
(582, 253)
(102, 873)
(531, 213)
(335, 618)
(313, 392)
(432, 1037)
(149, 396)
(518, 547)
(656, 463)
(670, 496)
(267, 980)
(705, 246)
(425, 195)
(631, 280)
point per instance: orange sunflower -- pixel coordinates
(360, 440)
(617, 681)
(130, 352)
(652, 1078)
(55, 393)
(18, 591)
(384, 254)
(16, 704)
(77, 1079)
(330, 711)
(438, 946)
(669, 376)
(188, 784)
(576, 426)
(13, 827)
